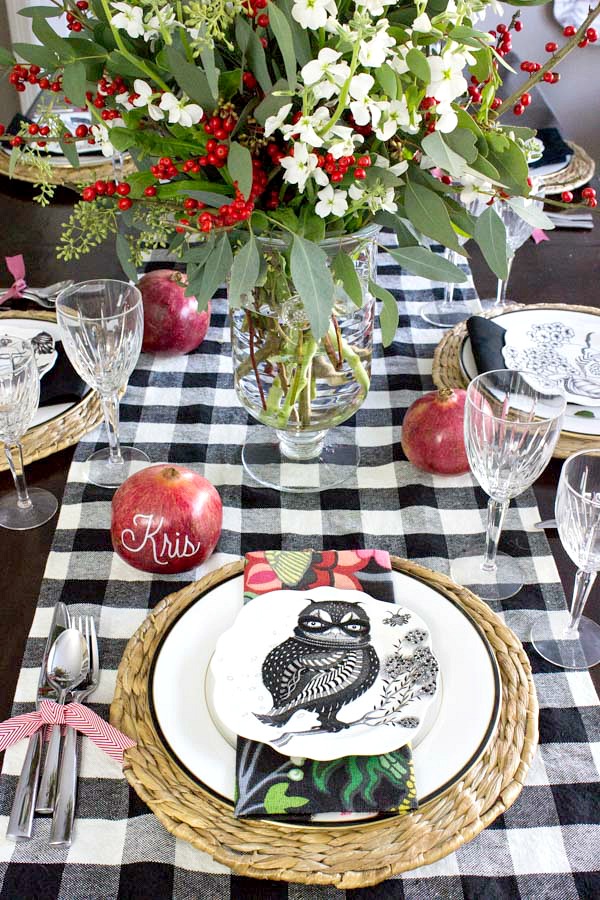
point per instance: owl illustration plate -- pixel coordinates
(324, 673)
(563, 347)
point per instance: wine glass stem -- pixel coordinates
(453, 257)
(581, 591)
(503, 283)
(495, 517)
(110, 408)
(18, 474)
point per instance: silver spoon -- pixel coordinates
(67, 666)
(50, 290)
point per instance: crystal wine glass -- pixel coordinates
(570, 640)
(102, 324)
(512, 424)
(19, 399)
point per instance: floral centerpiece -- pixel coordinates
(272, 138)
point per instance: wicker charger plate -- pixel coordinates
(67, 176)
(356, 856)
(578, 172)
(63, 430)
(447, 370)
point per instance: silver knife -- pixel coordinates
(20, 823)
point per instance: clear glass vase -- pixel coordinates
(298, 387)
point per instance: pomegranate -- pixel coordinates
(433, 432)
(172, 323)
(166, 518)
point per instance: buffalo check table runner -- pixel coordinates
(184, 410)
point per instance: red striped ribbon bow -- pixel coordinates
(74, 715)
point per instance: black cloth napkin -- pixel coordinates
(487, 342)
(61, 384)
(556, 150)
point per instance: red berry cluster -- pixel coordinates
(337, 169)
(74, 22)
(588, 194)
(19, 75)
(504, 42)
(101, 189)
(239, 209)
(220, 127)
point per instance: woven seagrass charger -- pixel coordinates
(578, 172)
(63, 430)
(67, 176)
(447, 371)
(352, 856)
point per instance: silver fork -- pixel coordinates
(64, 807)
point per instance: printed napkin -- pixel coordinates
(272, 785)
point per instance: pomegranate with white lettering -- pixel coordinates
(166, 518)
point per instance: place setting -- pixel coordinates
(282, 614)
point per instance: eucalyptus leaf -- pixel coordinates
(6, 57)
(388, 80)
(244, 271)
(198, 255)
(44, 12)
(75, 82)
(390, 220)
(344, 270)
(531, 214)
(207, 55)
(299, 35)
(511, 166)
(39, 56)
(252, 48)
(124, 257)
(53, 41)
(314, 282)
(280, 27)
(216, 270)
(388, 317)
(418, 65)
(463, 142)
(462, 34)
(119, 64)
(70, 151)
(239, 164)
(443, 156)
(427, 212)
(426, 264)
(490, 235)
(190, 79)
(15, 155)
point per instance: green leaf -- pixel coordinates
(75, 83)
(418, 65)
(198, 254)
(427, 212)
(252, 48)
(50, 39)
(312, 227)
(463, 142)
(211, 198)
(388, 317)
(313, 281)
(15, 155)
(6, 57)
(445, 158)
(283, 35)
(462, 34)
(216, 270)
(585, 414)
(481, 166)
(388, 80)
(344, 270)
(124, 257)
(272, 102)
(277, 800)
(490, 234)
(390, 220)
(190, 79)
(39, 56)
(482, 68)
(300, 36)
(70, 151)
(533, 215)
(121, 65)
(244, 271)
(44, 12)
(207, 55)
(426, 264)
(239, 165)
(511, 166)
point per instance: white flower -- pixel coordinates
(347, 143)
(374, 7)
(313, 13)
(145, 92)
(331, 202)
(123, 100)
(129, 18)
(447, 81)
(325, 74)
(300, 166)
(100, 134)
(472, 189)
(394, 115)
(374, 53)
(363, 109)
(448, 120)
(355, 191)
(387, 201)
(305, 127)
(164, 17)
(276, 121)
(422, 23)
(180, 111)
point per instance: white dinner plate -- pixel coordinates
(26, 329)
(466, 717)
(519, 323)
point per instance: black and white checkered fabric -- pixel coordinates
(185, 410)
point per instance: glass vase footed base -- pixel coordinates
(505, 581)
(447, 315)
(578, 649)
(20, 518)
(104, 473)
(302, 463)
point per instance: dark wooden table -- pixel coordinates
(565, 269)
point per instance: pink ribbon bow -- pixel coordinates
(16, 267)
(74, 715)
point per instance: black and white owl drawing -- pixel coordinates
(328, 663)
